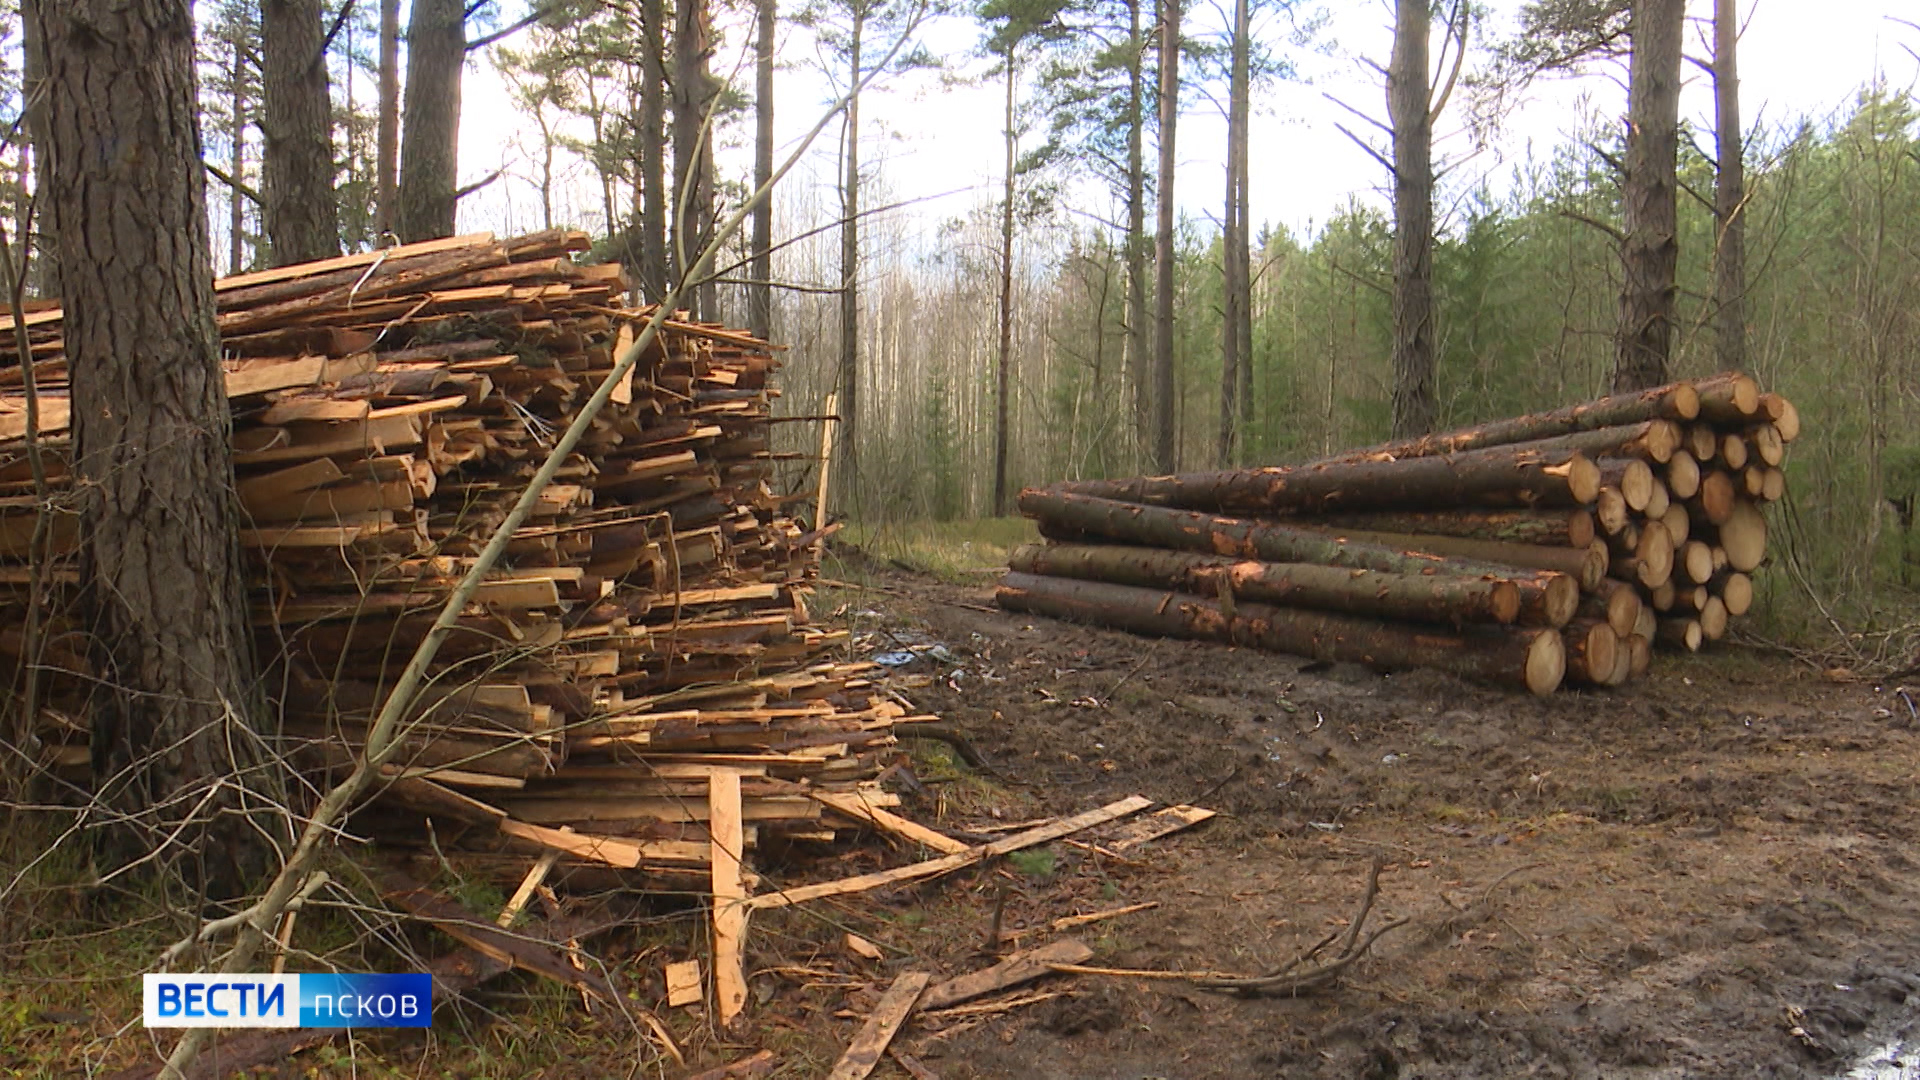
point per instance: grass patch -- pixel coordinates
(963, 552)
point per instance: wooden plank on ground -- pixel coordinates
(946, 864)
(1022, 967)
(683, 983)
(1153, 826)
(725, 826)
(855, 805)
(895, 1006)
(746, 1068)
(532, 881)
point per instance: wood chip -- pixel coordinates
(683, 983)
(860, 946)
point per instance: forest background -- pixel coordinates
(959, 166)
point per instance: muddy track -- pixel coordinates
(1711, 874)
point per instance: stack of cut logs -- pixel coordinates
(645, 630)
(1566, 544)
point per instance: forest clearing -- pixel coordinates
(663, 538)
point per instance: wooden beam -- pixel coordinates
(895, 1006)
(724, 825)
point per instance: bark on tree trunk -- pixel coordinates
(760, 295)
(1535, 659)
(1243, 217)
(1233, 248)
(1730, 192)
(1679, 401)
(692, 145)
(654, 263)
(387, 139)
(1649, 258)
(429, 153)
(850, 278)
(1584, 565)
(1138, 366)
(302, 216)
(1555, 528)
(1408, 100)
(1004, 361)
(1163, 413)
(1075, 518)
(1447, 599)
(175, 728)
(1494, 477)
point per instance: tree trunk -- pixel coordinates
(1447, 599)
(1163, 251)
(1649, 258)
(1679, 401)
(760, 294)
(654, 263)
(1409, 98)
(44, 265)
(1074, 518)
(1535, 659)
(1584, 565)
(1233, 247)
(692, 192)
(1243, 218)
(1495, 477)
(387, 139)
(429, 153)
(1135, 251)
(1554, 528)
(174, 730)
(237, 162)
(850, 276)
(1729, 193)
(302, 215)
(1004, 361)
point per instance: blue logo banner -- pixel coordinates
(284, 1001)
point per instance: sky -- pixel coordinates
(929, 136)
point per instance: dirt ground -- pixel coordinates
(1709, 874)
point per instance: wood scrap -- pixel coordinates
(683, 983)
(895, 1006)
(1023, 967)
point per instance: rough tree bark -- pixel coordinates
(1243, 216)
(1409, 99)
(1163, 254)
(654, 265)
(1439, 598)
(1535, 659)
(387, 139)
(173, 731)
(1003, 365)
(302, 216)
(1135, 251)
(693, 93)
(850, 270)
(1729, 193)
(1649, 257)
(760, 295)
(1498, 476)
(1233, 243)
(430, 138)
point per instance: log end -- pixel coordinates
(1546, 663)
(1736, 592)
(1662, 439)
(1562, 598)
(1503, 603)
(1639, 656)
(1744, 536)
(1683, 402)
(1583, 479)
(1716, 496)
(1623, 610)
(1636, 484)
(1696, 560)
(1591, 651)
(1595, 566)
(1679, 526)
(1683, 475)
(1579, 528)
(1680, 634)
(1713, 619)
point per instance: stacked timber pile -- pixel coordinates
(646, 629)
(1566, 544)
